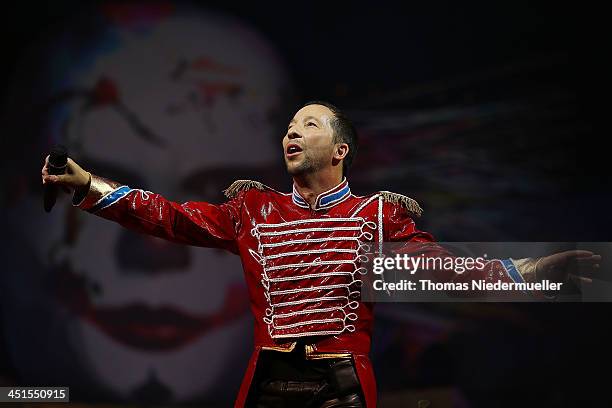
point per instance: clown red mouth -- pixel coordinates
(292, 150)
(144, 327)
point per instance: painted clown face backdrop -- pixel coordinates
(162, 98)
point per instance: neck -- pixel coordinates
(311, 185)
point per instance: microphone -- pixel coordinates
(58, 160)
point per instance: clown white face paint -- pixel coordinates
(178, 102)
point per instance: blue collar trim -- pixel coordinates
(326, 199)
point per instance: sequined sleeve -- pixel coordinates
(192, 223)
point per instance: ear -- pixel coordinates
(341, 150)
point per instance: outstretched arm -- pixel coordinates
(558, 267)
(192, 223)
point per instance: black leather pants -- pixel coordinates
(290, 380)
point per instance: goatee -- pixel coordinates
(305, 167)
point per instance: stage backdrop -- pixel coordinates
(160, 97)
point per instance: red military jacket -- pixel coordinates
(302, 265)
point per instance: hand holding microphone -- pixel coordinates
(61, 171)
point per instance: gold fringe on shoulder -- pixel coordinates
(410, 204)
(240, 185)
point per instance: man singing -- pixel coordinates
(302, 256)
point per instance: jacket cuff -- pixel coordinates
(97, 188)
(526, 268)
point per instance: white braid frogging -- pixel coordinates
(277, 243)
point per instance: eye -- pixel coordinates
(311, 124)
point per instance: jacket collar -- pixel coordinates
(325, 200)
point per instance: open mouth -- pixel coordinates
(146, 327)
(293, 150)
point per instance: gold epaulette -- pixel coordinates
(407, 202)
(242, 185)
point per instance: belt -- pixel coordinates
(310, 352)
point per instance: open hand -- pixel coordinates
(563, 266)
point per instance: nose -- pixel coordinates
(146, 254)
(293, 135)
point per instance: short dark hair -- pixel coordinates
(344, 132)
